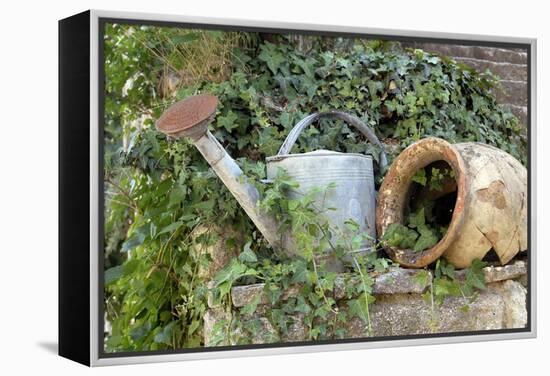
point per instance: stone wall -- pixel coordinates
(399, 308)
(509, 64)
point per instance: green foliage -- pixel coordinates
(417, 235)
(435, 178)
(447, 283)
(422, 229)
(400, 236)
(307, 271)
(427, 239)
(158, 193)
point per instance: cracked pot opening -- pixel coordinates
(433, 191)
(421, 202)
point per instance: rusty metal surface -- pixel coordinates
(188, 117)
(183, 119)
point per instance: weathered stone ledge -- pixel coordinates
(395, 281)
(399, 309)
(501, 306)
(514, 270)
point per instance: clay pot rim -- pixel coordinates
(399, 178)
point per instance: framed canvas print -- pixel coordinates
(232, 188)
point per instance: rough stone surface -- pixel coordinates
(519, 111)
(523, 280)
(514, 270)
(398, 281)
(399, 308)
(513, 92)
(514, 295)
(501, 273)
(510, 64)
(504, 70)
(243, 295)
(218, 249)
(395, 281)
(409, 314)
(512, 55)
(211, 317)
(297, 331)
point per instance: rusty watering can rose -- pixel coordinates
(490, 211)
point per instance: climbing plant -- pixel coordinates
(307, 270)
(160, 192)
(309, 274)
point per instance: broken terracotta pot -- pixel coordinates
(490, 209)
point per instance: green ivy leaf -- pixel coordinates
(400, 236)
(422, 278)
(165, 335)
(475, 276)
(427, 239)
(170, 228)
(420, 177)
(228, 121)
(195, 324)
(207, 205)
(247, 255)
(272, 57)
(250, 308)
(302, 306)
(447, 269)
(113, 274)
(136, 239)
(300, 274)
(416, 220)
(177, 195)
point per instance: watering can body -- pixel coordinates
(351, 198)
(351, 176)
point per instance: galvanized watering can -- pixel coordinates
(354, 194)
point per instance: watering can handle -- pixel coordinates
(350, 119)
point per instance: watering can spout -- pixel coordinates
(350, 174)
(190, 118)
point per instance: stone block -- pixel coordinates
(395, 281)
(410, 314)
(243, 295)
(512, 92)
(501, 273)
(220, 249)
(519, 111)
(514, 56)
(509, 55)
(506, 71)
(213, 317)
(514, 296)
